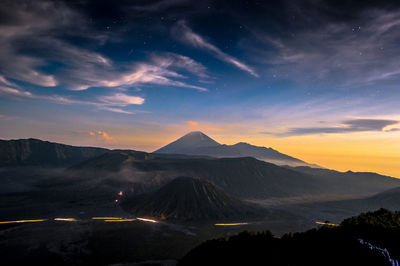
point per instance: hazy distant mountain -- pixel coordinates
(197, 143)
(28, 152)
(356, 181)
(243, 177)
(389, 199)
(336, 210)
(189, 198)
(112, 161)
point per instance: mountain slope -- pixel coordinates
(197, 143)
(242, 149)
(29, 152)
(190, 199)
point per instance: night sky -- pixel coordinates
(318, 80)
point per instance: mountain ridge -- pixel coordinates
(212, 148)
(31, 152)
(244, 177)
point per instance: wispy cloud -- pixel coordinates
(120, 99)
(27, 22)
(184, 33)
(181, 62)
(348, 126)
(159, 71)
(39, 23)
(117, 110)
(356, 53)
(105, 102)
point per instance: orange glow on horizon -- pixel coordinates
(379, 153)
(359, 152)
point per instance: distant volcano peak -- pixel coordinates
(192, 140)
(199, 144)
(194, 133)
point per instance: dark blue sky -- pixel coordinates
(137, 74)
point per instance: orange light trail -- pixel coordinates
(230, 224)
(106, 218)
(120, 220)
(23, 221)
(66, 219)
(329, 224)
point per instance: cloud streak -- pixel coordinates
(110, 103)
(120, 99)
(348, 126)
(357, 53)
(39, 24)
(27, 22)
(184, 33)
(159, 71)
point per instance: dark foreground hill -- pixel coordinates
(369, 239)
(187, 198)
(34, 152)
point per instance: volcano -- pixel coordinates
(187, 198)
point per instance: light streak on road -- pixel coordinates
(230, 224)
(106, 218)
(329, 224)
(147, 220)
(66, 219)
(23, 221)
(120, 220)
